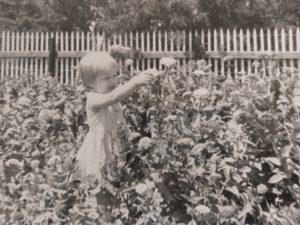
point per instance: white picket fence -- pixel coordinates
(23, 53)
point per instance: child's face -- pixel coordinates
(106, 81)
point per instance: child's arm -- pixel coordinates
(96, 101)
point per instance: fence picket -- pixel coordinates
(190, 49)
(22, 48)
(17, 60)
(42, 48)
(262, 41)
(98, 42)
(215, 50)
(269, 40)
(276, 46)
(131, 45)
(3, 60)
(298, 47)
(235, 50)
(166, 41)
(177, 46)
(88, 41)
(3, 41)
(12, 48)
(202, 37)
(32, 49)
(137, 47)
(255, 47)
(7, 61)
(27, 62)
(36, 48)
(223, 49)
(165, 45)
(209, 45)
(46, 49)
(18, 43)
(148, 48)
(120, 39)
(242, 50)
(276, 43)
(154, 49)
(291, 46)
(108, 44)
(190, 43)
(241, 39)
(66, 76)
(143, 48)
(269, 47)
(56, 36)
(72, 60)
(248, 50)
(228, 49)
(283, 45)
(77, 48)
(262, 49)
(126, 39)
(131, 39)
(103, 41)
(159, 46)
(61, 74)
(82, 38)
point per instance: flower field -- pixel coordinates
(204, 150)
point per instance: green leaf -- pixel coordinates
(276, 178)
(185, 142)
(233, 190)
(237, 178)
(198, 149)
(248, 208)
(41, 218)
(273, 160)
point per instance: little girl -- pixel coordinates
(105, 118)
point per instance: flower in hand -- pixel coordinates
(145, 77)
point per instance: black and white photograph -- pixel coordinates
(149, 112)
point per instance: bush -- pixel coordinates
(204, 150)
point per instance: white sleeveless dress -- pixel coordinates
(102, 143)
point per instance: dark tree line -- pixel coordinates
(67, 15)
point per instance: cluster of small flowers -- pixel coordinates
(200, 93)
(168, 61)
(47, 115)
(119, 51)
(145, 143)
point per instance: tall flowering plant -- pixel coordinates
(203, 150)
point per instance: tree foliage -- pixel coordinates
(28, 15)
(148, 14)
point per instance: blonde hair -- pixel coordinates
(94, 64)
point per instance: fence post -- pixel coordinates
(52, 56)
(198, 47)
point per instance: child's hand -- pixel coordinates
(146, 77)
(142, 79)
(152, 72)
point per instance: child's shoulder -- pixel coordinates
(90, 98)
